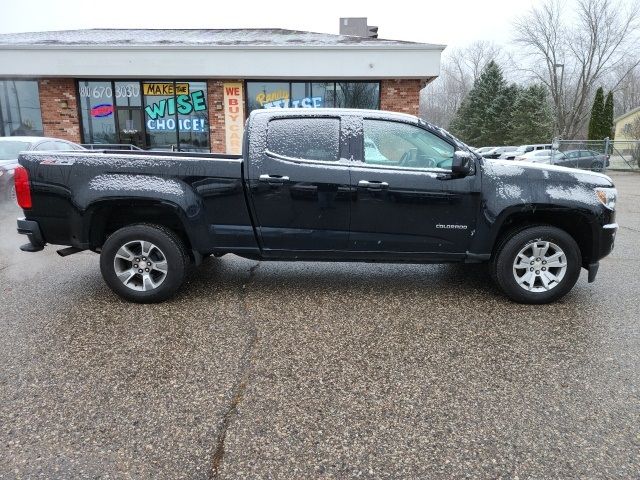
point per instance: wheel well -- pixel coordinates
(575, 225)
(108, 218)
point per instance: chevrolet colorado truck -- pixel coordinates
(325, 185)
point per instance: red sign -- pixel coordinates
(102, 110)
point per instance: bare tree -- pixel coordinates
(572, 52)
(626, 88)
(460, 68)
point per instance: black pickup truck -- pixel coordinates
(328, 185)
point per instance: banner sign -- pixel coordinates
(165, 89)
(233, 117)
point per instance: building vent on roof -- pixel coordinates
(357, 27)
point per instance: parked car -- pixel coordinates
(522, 149)
(497, 151)
(539, 156)
(585, 159)
(10, 147)
(150, 214)
(483, 150)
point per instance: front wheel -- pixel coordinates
(144, 263)
(596, 166)
(537, 265)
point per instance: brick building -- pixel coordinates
(192, 89)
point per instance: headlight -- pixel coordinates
(607, 197)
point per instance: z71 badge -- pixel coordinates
(57, 161)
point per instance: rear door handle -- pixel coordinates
(373, 184)
(273, 179)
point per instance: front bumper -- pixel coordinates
(32, 230)
(606, 243)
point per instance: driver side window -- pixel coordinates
(401, 145)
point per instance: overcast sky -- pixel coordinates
(450, 22)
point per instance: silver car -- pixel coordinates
(10, 147)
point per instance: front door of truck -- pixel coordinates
(407, 203)
(299, 184)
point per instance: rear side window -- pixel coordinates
(305, 138)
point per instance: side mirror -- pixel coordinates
(461, 164)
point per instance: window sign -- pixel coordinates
(128, 94)
(233, 117)
(160, 115)
(166, 88)
(313, 95)
(176, 115)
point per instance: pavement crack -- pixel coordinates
(242, 380)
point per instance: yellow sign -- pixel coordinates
(233, 117)
(165, 89)
(270, 97)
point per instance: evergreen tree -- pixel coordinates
(597, 116)
(608, 130)
(484, 118)
(532, 117)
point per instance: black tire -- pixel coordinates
(170, 247)
(502, 266)
(596, 166)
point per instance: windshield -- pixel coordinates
(10, 150)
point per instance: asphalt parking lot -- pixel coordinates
(301, 370)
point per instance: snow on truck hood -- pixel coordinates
(509, 168)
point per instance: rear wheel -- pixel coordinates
(144, 263)
(537, 265)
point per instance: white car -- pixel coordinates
(540, 156)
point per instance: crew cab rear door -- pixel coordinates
(406, 200)
(299, 183)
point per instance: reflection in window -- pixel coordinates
(358, 95)
(307, 138)
(20, 108)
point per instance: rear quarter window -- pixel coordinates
(305, 138)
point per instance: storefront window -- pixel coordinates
(96, 105)
(268, 95)
(20, 108)
(313, 94)
(358, 95)
(176, 115)
(193, 119)
(160, 115)
(156, 115)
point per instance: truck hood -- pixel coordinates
(552, 173)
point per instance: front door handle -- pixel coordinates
(273, 179)
(373, 184)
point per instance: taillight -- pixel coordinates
(23, 190)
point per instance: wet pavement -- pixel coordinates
(302, 370)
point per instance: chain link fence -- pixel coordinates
(597, 155)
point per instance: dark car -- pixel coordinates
(585, 159)
(323, 185)
(10, 148)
